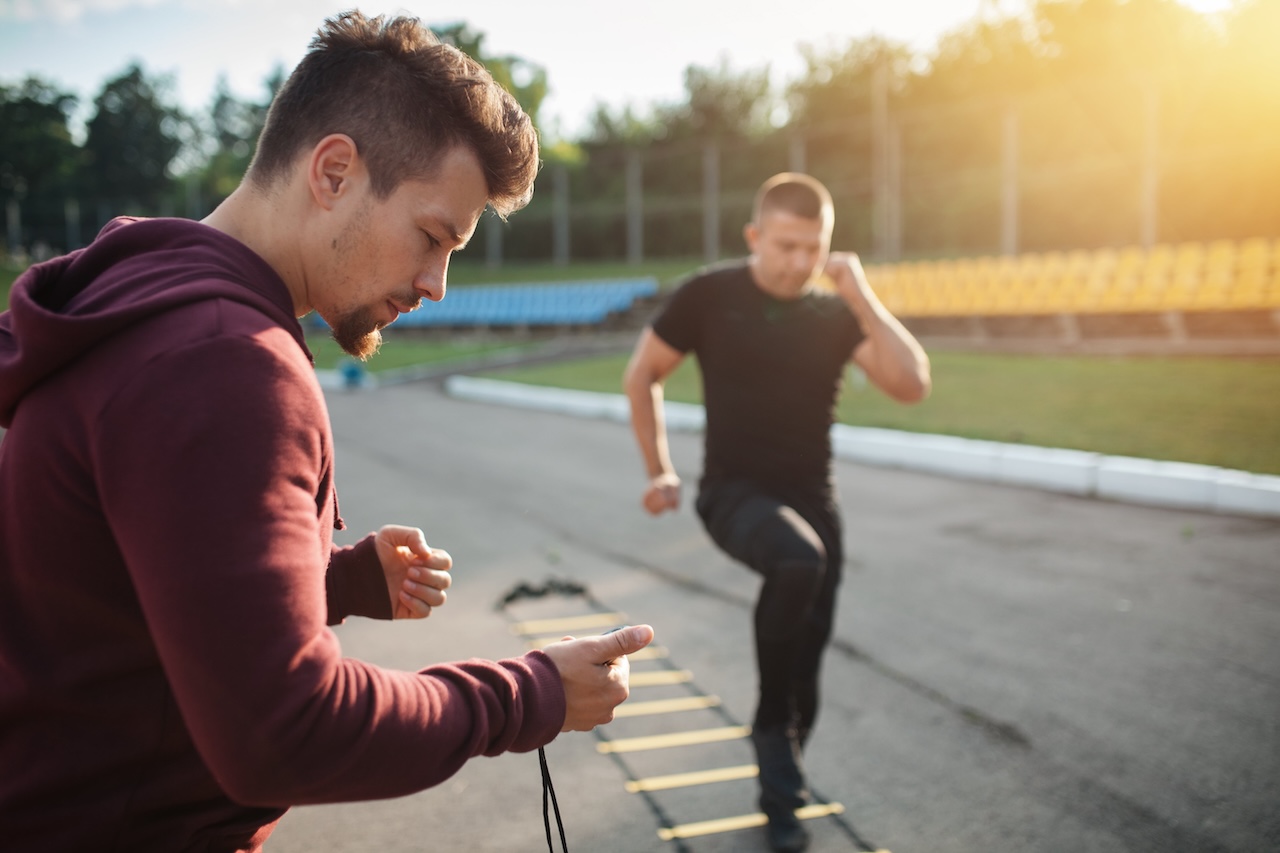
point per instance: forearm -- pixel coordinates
(892, 357)
(648, 423)
(902, 366)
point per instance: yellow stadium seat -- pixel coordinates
(1220, 255)
(1254, 254)
(1209, 298)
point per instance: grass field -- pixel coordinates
(1215, 411)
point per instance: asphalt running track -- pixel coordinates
(1013, 670)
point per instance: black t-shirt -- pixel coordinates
(772, 370)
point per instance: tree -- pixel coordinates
(721, 103)
(37, 154)
(133, 137)
(234, 128)
(837, 85)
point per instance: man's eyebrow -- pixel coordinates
(453, 233)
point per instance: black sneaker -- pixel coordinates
(782, 787)
(787, 835)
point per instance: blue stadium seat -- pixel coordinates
(556, 304)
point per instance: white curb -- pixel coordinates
(1120, 478)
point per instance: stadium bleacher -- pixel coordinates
(579, 303)
(1222, 275)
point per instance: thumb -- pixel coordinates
(625, 641)
(415, 541)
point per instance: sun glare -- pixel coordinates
(1206, 6)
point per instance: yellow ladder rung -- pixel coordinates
(691, 738)
(666, 706)
(746, 821)
(660, 677)
(570, 623)
(697, 777)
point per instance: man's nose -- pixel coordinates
(431, 282)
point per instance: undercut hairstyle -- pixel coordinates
(406, 100)
(794, 193)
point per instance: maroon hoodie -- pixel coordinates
(167, 574)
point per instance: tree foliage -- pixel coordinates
(233, 128)
(37, 154)
(1092, 93)
(135, 133)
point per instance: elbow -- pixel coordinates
(271, 776)
(914, 388)
(923, 388)
(637, 384)
(255, 789)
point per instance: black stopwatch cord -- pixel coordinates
(549, 791)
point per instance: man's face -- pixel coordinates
(787, 252)
(390, 253)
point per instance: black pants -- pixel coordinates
(792, 539)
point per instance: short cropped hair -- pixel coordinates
(406, 100)
(794, 193)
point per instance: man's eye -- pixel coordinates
(435, 244)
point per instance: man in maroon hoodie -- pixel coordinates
(167, 572)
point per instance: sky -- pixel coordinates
(594, 52)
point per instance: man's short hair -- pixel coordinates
(794, 193)
(406, 100)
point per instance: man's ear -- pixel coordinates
(332, 168)
(750, 233)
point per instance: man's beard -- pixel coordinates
(357, 333)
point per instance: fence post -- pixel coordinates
(560, 216)
(635, 207)
(796, 153)
(71, 214)
(1150, 189)
(13, 223)
(893, 198)
(493, 240)
(1009, 184)
(880, 160)
(711, 202)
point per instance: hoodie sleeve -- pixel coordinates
(209, 459)
(355, 584)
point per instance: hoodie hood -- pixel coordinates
(135, 269)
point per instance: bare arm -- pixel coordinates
(890, 355)
(651, 363)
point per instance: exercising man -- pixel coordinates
(772, 338)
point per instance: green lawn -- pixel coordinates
(400, 352)
(1215, 411)
(8, 272)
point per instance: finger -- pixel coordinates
(433, 596)
(416, 542)
(434, 578)
(439, 559)
(624, 642)
(411, 607)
